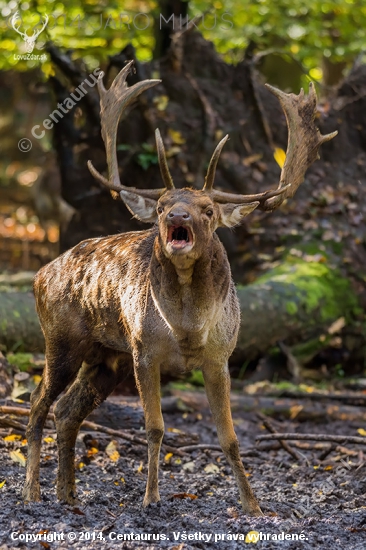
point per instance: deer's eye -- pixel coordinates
(209, 213)
(160, 209)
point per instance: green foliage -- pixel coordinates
(148, 157)
(308, 30)
(22, 361)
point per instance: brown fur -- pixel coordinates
(113, 300)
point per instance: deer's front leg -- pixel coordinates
(217, 382)
(148, 384)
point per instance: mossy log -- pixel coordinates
(295, 301)
(19, 326)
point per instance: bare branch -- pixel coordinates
(315, 437)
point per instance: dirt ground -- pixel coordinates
(319, 503)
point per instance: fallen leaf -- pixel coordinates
(92, 451)
(78, 512)
(361, 431)
(174, 431)
(12, 437)
(2, 483)
(329, 467)
(295, 410)
(48, 439)
(18, 456)
(167, 457)
(211, 469)
(111, 451)
(189, 467)
(81, 465)
(252, 537)
(279, 156)
(44, 544)
(140, 468)
(185, 495)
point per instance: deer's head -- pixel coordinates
(186, 217)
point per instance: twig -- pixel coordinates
(21, 411)
(10, 423)
(267, 424)
(323, 455)
(315, 437)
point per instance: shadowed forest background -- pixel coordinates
(300, 270)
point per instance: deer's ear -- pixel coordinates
(232, 214)
(142, 208)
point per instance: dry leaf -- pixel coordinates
(12, 437)
(92, 451)
(174, 431)
(189, 467)
(48, 439)
(279, 156)
(2, 483)
(167, 457)
(252, 537)
(18, 456)
(211, 469)
(185, 495)
(361, 431)
(295, 410)
(140, 468)
(176, 136)
(111, 451)
(81, 465)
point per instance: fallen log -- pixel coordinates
(296, 300)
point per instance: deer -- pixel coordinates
(162, 299)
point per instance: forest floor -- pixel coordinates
(321, 503)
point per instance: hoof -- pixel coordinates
(68, 498)
(150, 500)
(253, 512)
(32, 494)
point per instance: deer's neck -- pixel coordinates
(190, 294)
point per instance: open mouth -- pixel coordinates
(179, 236)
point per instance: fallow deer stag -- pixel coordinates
(163, 298)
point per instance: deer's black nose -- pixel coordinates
(179, 217)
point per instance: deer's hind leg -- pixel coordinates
(92, 385)
(61, 367)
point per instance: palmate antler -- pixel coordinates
(304, 140)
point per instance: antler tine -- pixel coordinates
(211, 170)
(304, 141)
(113, 103)
(164, 168)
